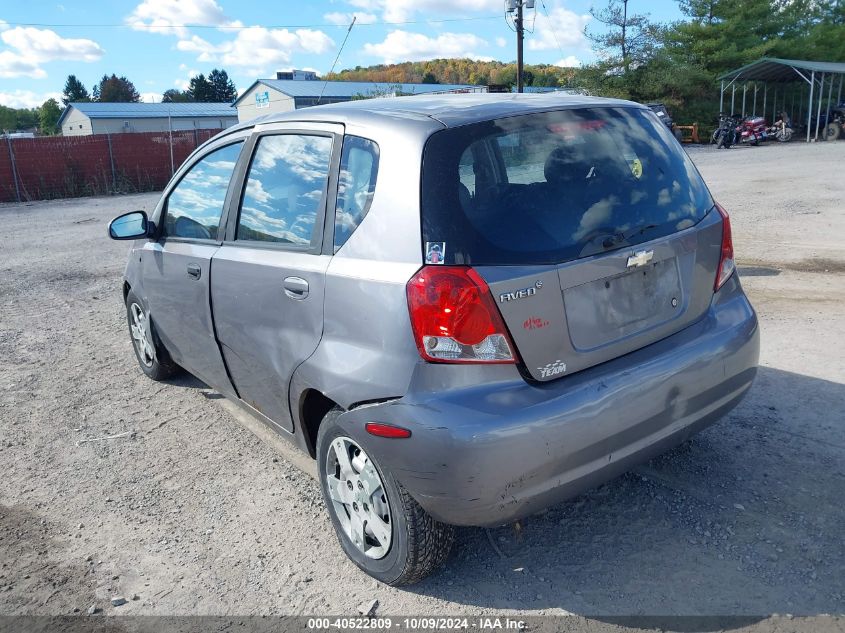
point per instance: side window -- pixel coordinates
(285, 187)
(355, 187)
(194, 207)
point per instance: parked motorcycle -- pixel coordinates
(752, 130)
(726, 134)
(782, 133)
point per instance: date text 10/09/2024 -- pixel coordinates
(416, 624)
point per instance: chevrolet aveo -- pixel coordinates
(466, 308)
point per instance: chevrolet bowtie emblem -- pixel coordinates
(640, 258)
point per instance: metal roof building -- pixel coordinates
(82, 118)
(266, 96)
(817, 84)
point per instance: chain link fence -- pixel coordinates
(51, 167)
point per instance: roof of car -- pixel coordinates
(449, 109)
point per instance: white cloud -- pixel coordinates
(345, 19)
(501, 42)
(570, 61)
(27, 98)
(170, 16)
(30, 47)
(405, 46)
(151, 97)
(258, 48)
(561, 28)
(401, 10)
(16, 65)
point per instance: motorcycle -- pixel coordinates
(752, 130)
(726, 134)
(782, 133)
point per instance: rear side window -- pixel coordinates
(356, 186)
(552, 187)
(285, 189)
(195, 205)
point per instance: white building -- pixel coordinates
(80, 119)
(299, 89)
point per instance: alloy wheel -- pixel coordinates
(138, 328)
(358, 498)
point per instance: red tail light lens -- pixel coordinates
(726, 259)
(454, 318)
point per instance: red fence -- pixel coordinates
(69, 166)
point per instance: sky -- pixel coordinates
(160, 44)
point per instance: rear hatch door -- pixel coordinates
(592, 228)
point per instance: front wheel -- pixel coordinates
(832, 131)
(153, 359)
(379, 525)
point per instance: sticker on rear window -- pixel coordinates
(637, 168)
(435, 252)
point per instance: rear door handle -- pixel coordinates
(296, 288)
(194, 271)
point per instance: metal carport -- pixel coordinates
(784, 73)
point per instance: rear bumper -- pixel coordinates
(490, 454)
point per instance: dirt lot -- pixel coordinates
(196, 515)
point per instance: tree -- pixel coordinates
(12, 119)
(116, 89)
(629, 39)
(176, 96)
(429, 78)
(75, 91)
(200, 89)
(222, 88)
(48, 116)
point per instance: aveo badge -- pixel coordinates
(522, 293)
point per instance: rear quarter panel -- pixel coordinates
(367, 351)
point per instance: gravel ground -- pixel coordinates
(193, 514)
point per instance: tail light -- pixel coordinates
(454, 318)
(726, 258)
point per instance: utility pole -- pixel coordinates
(520, 36)
(515, 8)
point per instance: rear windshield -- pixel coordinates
(554, 186)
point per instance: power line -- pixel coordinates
(143, 27)
(552, 28)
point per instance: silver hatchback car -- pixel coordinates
(466, 308)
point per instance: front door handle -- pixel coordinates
(194, 271)
(296, 288)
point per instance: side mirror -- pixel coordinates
(129, 226)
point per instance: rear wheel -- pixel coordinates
(379, 525)
(832, 131)
(153, 359)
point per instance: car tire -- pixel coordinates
(416, 544)
(832, 131)
(152, 357)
